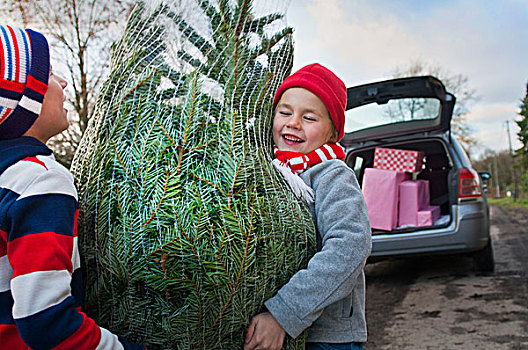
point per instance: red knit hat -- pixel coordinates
(324, 84)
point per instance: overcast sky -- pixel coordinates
(367, 40)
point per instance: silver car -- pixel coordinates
(415, 114)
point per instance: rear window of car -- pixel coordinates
(394, 111)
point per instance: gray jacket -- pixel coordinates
(328, 297)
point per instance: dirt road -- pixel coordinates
(441, 303)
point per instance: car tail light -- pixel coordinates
(468, 184)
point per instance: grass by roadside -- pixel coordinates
(508, 202)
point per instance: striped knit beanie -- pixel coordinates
(24, 74)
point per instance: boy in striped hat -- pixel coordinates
(328, 297)
(40, 277)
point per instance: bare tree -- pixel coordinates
(503, 171)
(81, 33)
(458, 85)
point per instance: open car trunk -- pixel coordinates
(437, 168)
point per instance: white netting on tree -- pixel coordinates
(185, 226)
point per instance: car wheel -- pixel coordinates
(483, 259)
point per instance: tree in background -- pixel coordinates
(522, 152)
(501, 166)
(81, 33)
(456, 84)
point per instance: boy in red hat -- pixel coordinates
(328, 297)
(40, 277)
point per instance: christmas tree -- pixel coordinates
(185, 227)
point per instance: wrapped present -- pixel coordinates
(428, 215)
(381, 191)
(398, 159)
(414, 196)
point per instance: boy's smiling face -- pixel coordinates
(301, 122)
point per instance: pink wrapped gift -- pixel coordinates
(398, 159)
(414, 196)
(381, 189)
(428, 215)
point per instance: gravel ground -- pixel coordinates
(441, 303)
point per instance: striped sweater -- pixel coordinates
(40, 276)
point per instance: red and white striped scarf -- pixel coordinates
(299, 162)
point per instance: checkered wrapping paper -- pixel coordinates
(398, 160)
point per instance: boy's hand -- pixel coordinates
(264, 333)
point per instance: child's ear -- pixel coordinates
(333, 136)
